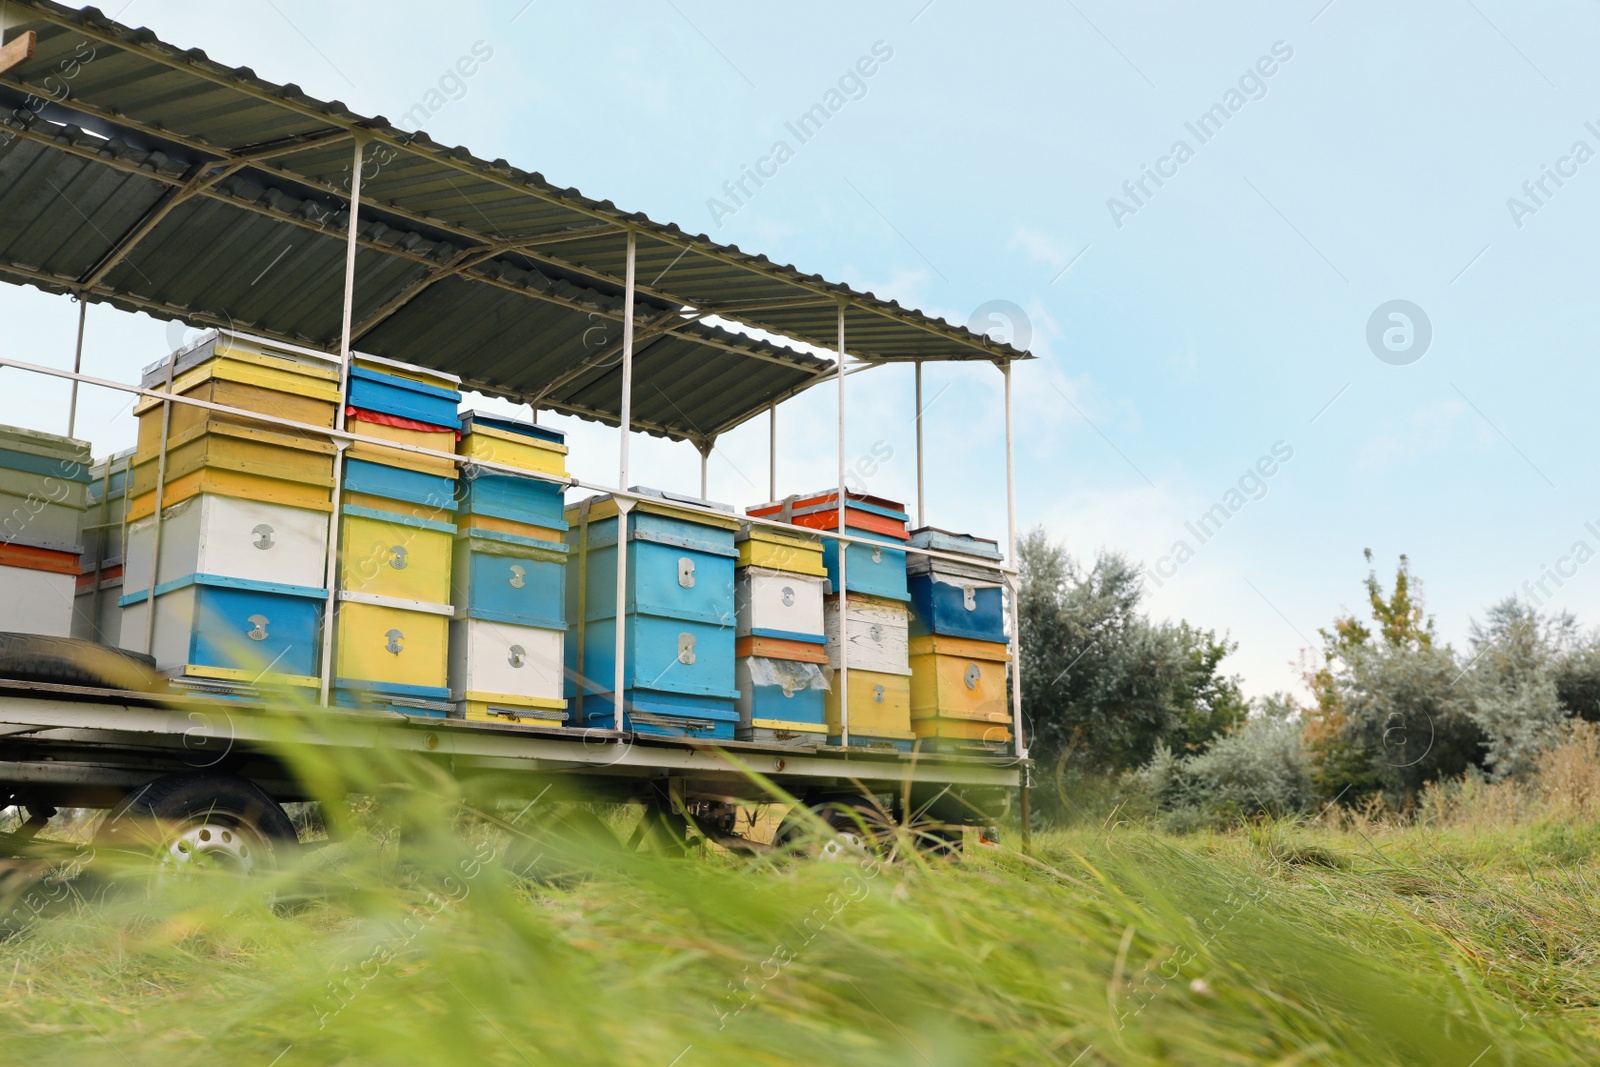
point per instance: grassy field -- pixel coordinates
(1468, 942)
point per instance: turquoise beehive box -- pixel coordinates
(678, 616)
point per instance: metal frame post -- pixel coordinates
(77, 368)
(922, 515)
(843, 553)
(772, 452)
(623, 506)
(160, 504)
(705, 456)
(1015, 580)
(331, 604)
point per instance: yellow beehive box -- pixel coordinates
(234, 484)
(408, 371)
(780, 550)
(436, 441)
(316, 406)
(880, 704)
(492, 445)
(230, 446)
(385, 553)
(504, 708)
(392, 645)
(969, 731)
(957, 677)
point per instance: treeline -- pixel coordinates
(1119, 705)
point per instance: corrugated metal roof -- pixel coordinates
(152, 178)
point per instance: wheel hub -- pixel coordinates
(214, 845)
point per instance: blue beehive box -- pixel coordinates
(956, 598)
(230, 629)
(505, 578)
(661, 714)
(875, 568)
(482, 491)
(431, 491)
(679, 610)
(393, 394)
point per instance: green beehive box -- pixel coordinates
(44, 480)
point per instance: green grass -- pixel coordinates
(1285, 945)
(1289, 943)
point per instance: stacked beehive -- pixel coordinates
(43, 482)
(781, 644)
(96, 616)
(239, 582)
(878, 681)
(506, 652)
(679, 615)
(396, 531)
(959, 645)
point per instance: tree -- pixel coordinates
(1513, 676)
(1102, 685)
(1387, 713)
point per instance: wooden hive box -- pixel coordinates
(496, 666)
(382, 486)
(106, 510)
(880, 705)
(392, 392)
(223, 457)
(229, 629)
(794, 552)
(783, 732)
(404, 432)
(231, 538)
(877, 631)
(95, 613)
(875, 566)
(391, 647)
(44, 482)
(962, 735)
(513, 498)
(509, 579)
(38, 587)
(789, 691)
(680, 621)
(297, 385)
(959, 678)
(495, 439)
(391, 554)
(778, 604)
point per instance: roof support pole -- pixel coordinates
(77, 368)
(922, 515)
(843, 551)
(618, 680)
(705, 454)
(1014, 580)
(772, 452)
(331, 579)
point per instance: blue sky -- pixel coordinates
(1225, 316)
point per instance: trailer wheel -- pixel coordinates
(857, 826)
(201, 820)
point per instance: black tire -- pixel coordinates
(70, 661)
(203, 819)
(858, 826)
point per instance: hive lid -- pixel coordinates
(806, 503)
(226, 343)
(658, 502)
(948, 541)
(478, 421)
(49, 445)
